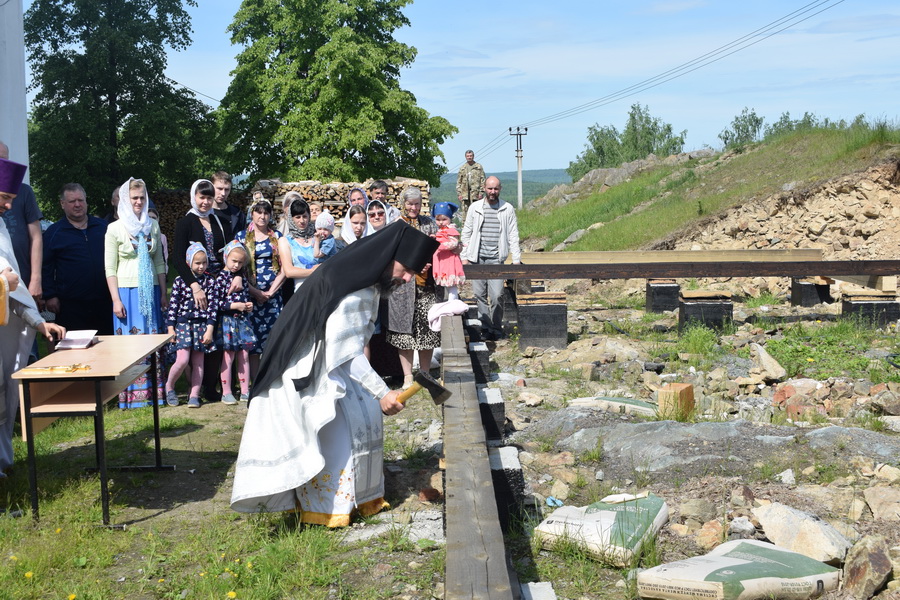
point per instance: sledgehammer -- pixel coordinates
(438, 393)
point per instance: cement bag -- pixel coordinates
(611, 530)
(740, 570)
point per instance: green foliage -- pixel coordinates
(830, 350)
(764, 299)
(698, 339)
(104, 110)
(642, 135)
(745, 129)
(316, 94)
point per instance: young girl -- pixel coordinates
(234, 334)
(325, 244)
(355, 222)
(193, 327)
(446, 266)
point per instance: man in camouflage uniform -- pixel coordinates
(469, 183)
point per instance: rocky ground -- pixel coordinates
(744, 451)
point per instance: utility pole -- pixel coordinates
(519, 132)
(14, 122)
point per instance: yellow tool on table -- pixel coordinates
(73, 368)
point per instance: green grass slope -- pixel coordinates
(670, 198)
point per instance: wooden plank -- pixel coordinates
(875, 282)
(702, 294)
(830, 268)
(476, 555)
(652, 256)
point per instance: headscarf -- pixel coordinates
(365, 197)
(342, 274)
(448, 209)
(347, 229)
(233, 244)
(193, 249)
(133, 224)
(139, 229)
(194, 207)
(387, 218)
(295, 232)
(325, 221)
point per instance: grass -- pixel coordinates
(835, 349)
(177, 553)
(678, 196)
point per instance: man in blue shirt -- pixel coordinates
(74, 278)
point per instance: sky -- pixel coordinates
(487, 66)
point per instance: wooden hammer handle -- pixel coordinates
(409, 392)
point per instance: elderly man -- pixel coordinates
(74, 277)
(314, 437)
(490, 235)
(17, 336)
(469, 182)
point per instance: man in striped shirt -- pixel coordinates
(490, 235)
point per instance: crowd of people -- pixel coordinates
(253, 298)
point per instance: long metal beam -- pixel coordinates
(827, 268)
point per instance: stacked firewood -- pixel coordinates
(333, 195)
(173, 204)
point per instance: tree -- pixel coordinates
(104, 110)
(643, 135)
(745, 129)
(316, 94)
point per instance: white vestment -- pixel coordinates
(16, 339)
(321, 449)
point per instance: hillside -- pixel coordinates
(535, 183)
(829, 189)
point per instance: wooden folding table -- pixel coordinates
(79, 383)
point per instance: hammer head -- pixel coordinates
(438, 393)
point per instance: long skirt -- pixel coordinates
(422, 337)
(138, 393)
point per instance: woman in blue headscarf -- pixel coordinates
(136, 276)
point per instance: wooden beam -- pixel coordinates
(881, 283)
(652, 256)
(828, 268)
(476, 565)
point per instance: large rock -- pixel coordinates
(867, 568)
(802, 532)
(884, 502)
(771, 370)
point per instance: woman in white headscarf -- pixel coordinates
(136, 277)
(201, 224)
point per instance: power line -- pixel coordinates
(771, 29)
(701, 61)
(216, 100)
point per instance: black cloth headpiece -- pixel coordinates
(357, 266)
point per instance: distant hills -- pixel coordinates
(535, 183)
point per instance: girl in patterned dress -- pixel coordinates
(265, 275)
(191, 325)
(234, 334)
